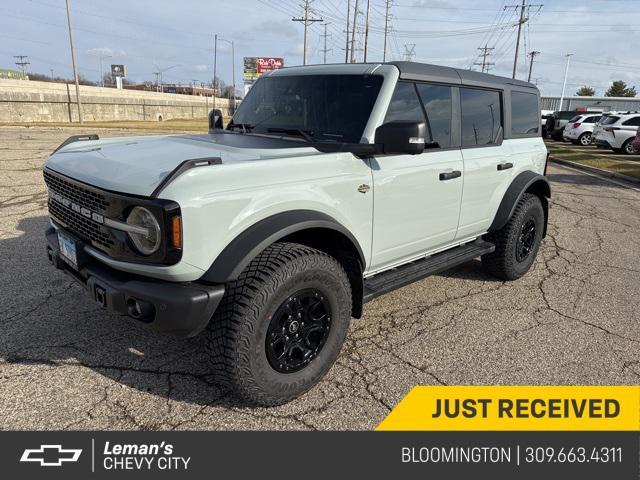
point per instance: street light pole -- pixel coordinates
(564, 83)
(73, 63)
(102, 57)
(233, 69)
(215, 61)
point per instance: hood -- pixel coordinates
(137, 165)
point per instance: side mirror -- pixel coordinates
(215, 120)
(396, 138)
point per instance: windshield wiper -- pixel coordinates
(246, 127)
(306, 134)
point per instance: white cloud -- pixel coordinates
(297, 49)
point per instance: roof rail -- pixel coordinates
(77, 138)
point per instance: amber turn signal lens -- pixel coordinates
(176, 232)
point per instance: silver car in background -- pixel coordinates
(618, 133)
(580, 128)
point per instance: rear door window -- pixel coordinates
(437, 103)
(634, 122)
(524, 113)
(481, 116)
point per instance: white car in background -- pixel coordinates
(580, 128)
(619, 134)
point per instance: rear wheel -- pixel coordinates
(281, 325)
(517, 243)
(628, 147)
(585, 139)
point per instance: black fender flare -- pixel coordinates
(524, 182)
(247, 245)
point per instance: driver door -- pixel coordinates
(417, 197)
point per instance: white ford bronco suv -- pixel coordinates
(331, 185)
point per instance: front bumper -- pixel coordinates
(178, 308)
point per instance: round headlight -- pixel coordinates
(148, 242)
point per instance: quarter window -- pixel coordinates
(481, 116)
(404, 105)
(525, 113)
(437, 103)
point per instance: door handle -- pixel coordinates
(505, 166)
(450, 175)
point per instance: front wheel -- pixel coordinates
(281, 325)
(517, 243)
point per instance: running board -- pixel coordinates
(404, 275)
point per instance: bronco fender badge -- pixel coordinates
(364, 188)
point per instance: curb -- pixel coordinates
(598, 171)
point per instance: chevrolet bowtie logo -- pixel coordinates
(50, 455)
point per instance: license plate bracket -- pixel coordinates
(68, 248)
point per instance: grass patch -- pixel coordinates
(625, 168)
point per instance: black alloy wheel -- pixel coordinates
(526, 239)
(298, 330)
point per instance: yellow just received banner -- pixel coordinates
(517, 408)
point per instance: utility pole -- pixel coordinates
(386, 28)
(102, 57)
(409, 51)
(157, 74)
(51, 73)
(485, 52)
(73, 63)
(532, 55)
(346, 45)
(353, 34)
(215, 61)
(306, 21)
(524, 18)
(325, 50)
(22, 62)
(564, 83)
(366, 32)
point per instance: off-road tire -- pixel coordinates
(503, 262)
(236, 336)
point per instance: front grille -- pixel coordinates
(86, 229)
(87, 198)
(81, 226)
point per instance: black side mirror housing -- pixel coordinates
(215, 120)
(401, 138)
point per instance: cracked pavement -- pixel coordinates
(66, 364)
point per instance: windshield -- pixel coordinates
(321, 107)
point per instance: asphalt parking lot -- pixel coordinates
(65, 364)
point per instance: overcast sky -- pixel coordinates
(603, 35)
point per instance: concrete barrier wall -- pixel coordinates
(28, 101)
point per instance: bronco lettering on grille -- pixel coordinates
(85, 212)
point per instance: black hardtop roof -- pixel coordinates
(439, 73)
